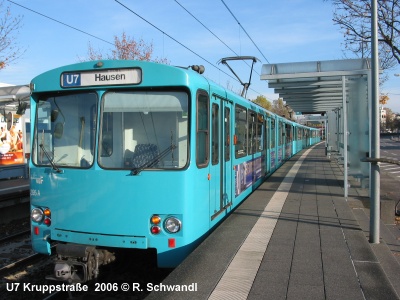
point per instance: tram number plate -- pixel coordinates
(71, 79)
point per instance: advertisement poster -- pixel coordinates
(246, 174)
(273, 159)
(288, 150)
(11, 140)
(280, 154)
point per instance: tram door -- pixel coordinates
(267, 145)
(221, 173)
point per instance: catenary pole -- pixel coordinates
(375, 138)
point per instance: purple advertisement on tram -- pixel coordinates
(246, 174)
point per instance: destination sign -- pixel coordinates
(101, 77)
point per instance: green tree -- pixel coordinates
(263, 102)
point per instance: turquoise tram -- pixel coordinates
(141, 155)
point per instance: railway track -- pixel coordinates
(15, 195)
(14, 205)
(16, 252)
(19, 266)
(11, 237)
(21, 263)
(28, 272)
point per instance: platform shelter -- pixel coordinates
(339, 92)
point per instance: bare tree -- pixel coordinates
(281, 109)
(126, 48)
(390, 119)
(9, 28)
(354, 18)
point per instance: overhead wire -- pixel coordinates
(175, 40)
(194, 17)
(209, 30)
(163, 32)
(244, 31)
(67, 25)
(108, 42)
(84, 32)
(62, 23)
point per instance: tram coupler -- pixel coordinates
(79, 263)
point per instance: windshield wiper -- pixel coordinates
(55, 168)
(153, 161)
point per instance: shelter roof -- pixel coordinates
(11, 96)
(315, 86)
(14, 92)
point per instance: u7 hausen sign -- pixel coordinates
(101, 77)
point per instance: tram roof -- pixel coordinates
(316, 86)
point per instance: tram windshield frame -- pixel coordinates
(65, 130)
(144, 130)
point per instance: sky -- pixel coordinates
(280, 32)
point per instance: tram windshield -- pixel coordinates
(144, 130)
(65, 131)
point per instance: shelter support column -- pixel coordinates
(345, 140)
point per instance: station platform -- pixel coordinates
(14, 199)
(17, 185)
(295, 237)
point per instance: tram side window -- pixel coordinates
(227, 134)
(289, 133)
(267, 134)
(252, 121)
(215, 134)
(281, 134)
(273, 133)
(202, 131)
(259, 133)
(240, 131)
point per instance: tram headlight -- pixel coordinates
(172, 225)
(37, 215)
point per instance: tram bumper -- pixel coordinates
(41, 243)
(79, 263)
